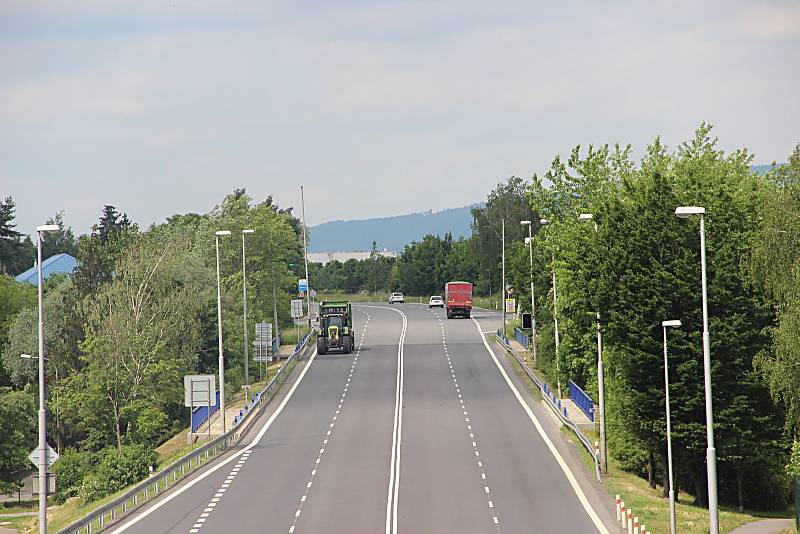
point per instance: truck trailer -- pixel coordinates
(459, 299)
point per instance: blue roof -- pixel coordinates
(60, 263)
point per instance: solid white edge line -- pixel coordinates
(168, 498)
(564, 467)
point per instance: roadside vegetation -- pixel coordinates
(137, 315)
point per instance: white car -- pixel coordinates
(396, 297)
(436, 302)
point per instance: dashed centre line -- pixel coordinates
(472, 438)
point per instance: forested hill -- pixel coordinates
(391, 233)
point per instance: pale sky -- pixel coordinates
(378, 107)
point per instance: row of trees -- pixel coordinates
(138, 314)
(642, 267)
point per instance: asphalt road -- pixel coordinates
(421, 430)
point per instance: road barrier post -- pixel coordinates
(617, 497)
(635, 525)
(622, 518)
(630, 521)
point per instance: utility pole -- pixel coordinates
(221, 360)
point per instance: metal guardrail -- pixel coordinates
(522, 338)
(553, 402)
(584, 401)
(149, 488)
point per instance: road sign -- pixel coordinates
(51, 483)
(52, 457)
(511, 305)
(199, 390)
(297, 308)
(302, 285)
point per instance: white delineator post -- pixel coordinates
(221, 360)
(630, 521)
(617, 504)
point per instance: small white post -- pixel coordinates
(635, 525)
(617, 503)
(630, 522)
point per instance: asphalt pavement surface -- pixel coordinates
(425, 428)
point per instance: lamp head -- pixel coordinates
(222, 233)
(544, 222)
(671, 322)
(525, 223)
(585, 217)
(686, 211)
(248, 231)
(48, 228)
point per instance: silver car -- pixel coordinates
(396, 297)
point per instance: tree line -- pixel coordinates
(137, 314)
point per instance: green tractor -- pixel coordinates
(335, 327)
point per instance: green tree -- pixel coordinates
(17, 436)
(142, 329)
(62, 241)
(16, 254)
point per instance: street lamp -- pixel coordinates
(217, 235)
(533, 297)
(545, 222)
(40, 230)
(244, 301)
(711, 455)
(600, 376)
(665, 324)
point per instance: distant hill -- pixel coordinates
(391, 233)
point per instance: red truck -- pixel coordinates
(459, 299)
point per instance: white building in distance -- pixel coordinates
(325, 257)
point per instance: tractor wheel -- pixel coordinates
(321, 345)
(347, 345)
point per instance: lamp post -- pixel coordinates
(533, 297)
(55, 370)
(545, 222)
(665, 324)
(504, 293)
(305, 258)
(217, 235)
(711, 455)
(40, 230)
(244, 301)
(600, 374)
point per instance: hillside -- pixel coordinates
(391, 233)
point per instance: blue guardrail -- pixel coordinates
(521, 338)
(201, 414)
(584, 401)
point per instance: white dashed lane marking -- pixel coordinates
(472, 438)
(200, 521)
(331, 428)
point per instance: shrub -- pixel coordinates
(117, 470)
(70, 470)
